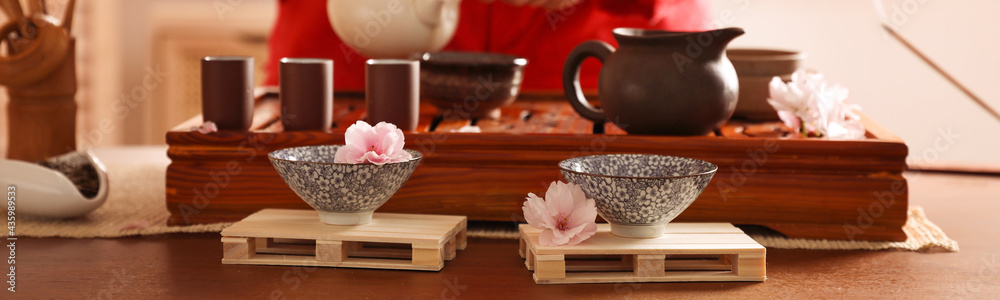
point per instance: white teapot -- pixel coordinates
(394, 28)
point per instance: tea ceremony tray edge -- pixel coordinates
(803, 188)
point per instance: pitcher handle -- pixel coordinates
(571, 77)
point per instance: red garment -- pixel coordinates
(544, 37)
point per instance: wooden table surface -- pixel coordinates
(188, 266)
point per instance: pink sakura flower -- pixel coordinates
(565, 216)
(381, 144)
(810, 106)
(206, 128)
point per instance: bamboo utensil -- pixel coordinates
(40, 75)
(36, 7)
(12, 8)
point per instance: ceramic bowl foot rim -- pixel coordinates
(338, 218)
(638, 231)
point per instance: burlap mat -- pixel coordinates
(136, 205)
(922, 235)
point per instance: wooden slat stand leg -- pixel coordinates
(331, 251)
(551, 266)
(750, 265)
(449, 249)
(427, 254)
(462, 238)
(238, 248)
(649, 265)
(529, 259)
(521, 246)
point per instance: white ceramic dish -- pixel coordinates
(40, 191)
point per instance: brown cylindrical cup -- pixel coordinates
(306, 93)
(392, 91)
(227, 91)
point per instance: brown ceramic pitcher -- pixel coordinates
(659, 82)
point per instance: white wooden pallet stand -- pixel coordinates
(290, 237)
(686, 252)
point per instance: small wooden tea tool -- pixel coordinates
(40, 75)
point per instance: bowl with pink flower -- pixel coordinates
(638, 194)
(347, 183)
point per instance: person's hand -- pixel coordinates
(548, 4)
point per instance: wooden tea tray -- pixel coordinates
(804, 188)
(294, 237)
(686, 252)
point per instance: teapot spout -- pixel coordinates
(726, 35)
(722, 39)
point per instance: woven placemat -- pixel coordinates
(136, 205)
(922, 236)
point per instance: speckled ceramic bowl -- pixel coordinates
(343, 194)
(639, 193)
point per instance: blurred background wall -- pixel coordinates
(138, 61)
(843, 40)
(124, 42)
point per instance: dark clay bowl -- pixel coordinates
(755, 68)
(470, 84)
